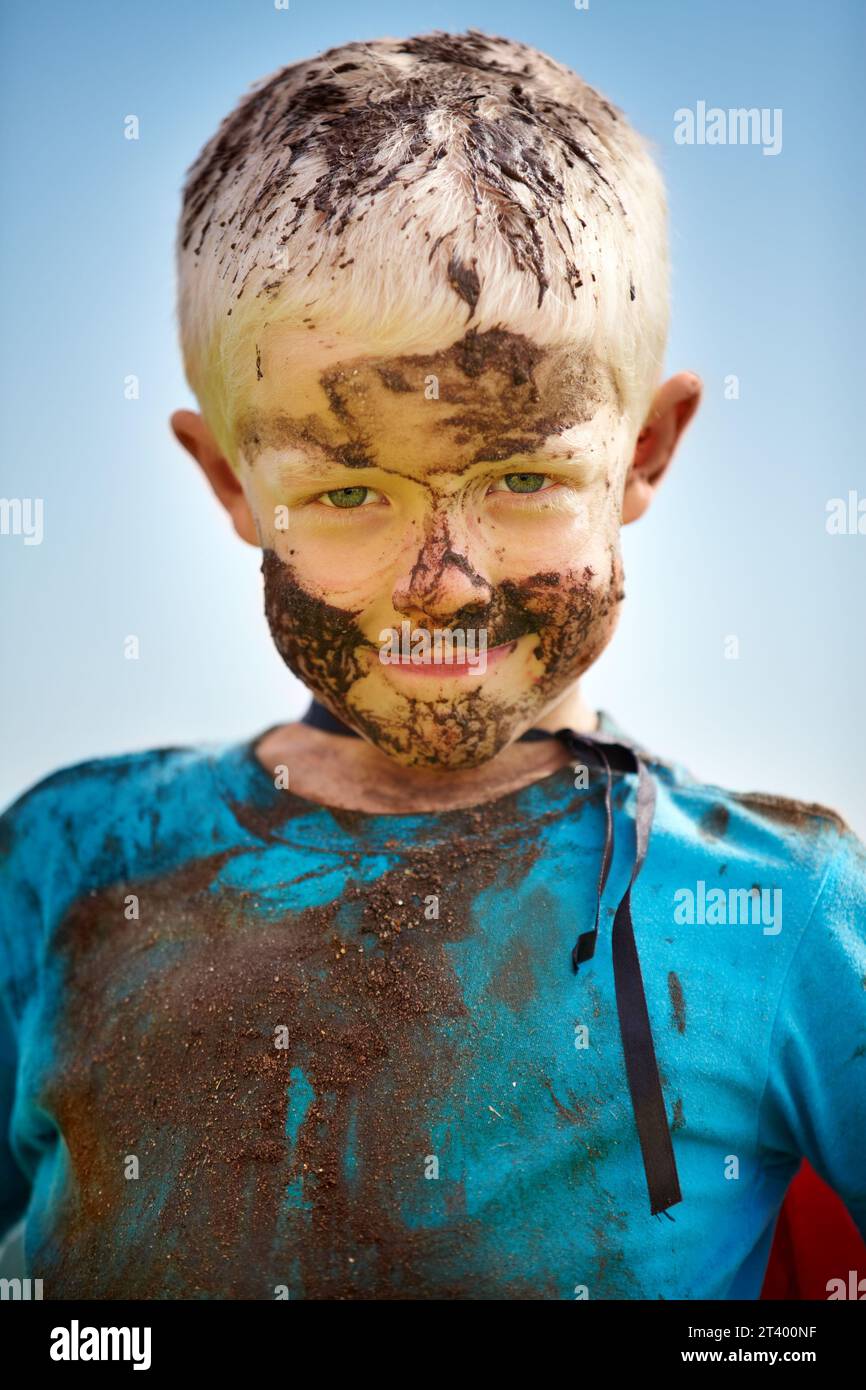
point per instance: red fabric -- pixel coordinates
(815, 1241)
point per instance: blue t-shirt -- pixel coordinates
(252, 1047)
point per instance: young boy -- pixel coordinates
(448, 990)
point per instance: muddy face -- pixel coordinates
(473, 491)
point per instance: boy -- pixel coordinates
(354, 1009)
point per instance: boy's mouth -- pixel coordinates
(439, 668)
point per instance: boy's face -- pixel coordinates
(476, 489)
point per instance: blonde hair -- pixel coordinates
(406, 190)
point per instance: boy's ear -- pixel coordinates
(673, 407)
(191, 431)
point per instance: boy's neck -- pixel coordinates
(351, 774)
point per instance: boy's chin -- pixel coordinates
(445, 735)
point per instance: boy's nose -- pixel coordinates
(440, 584)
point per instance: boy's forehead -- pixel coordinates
(488, 396)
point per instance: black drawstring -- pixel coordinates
(584, 948)
(641, 1067)
(634, 1022)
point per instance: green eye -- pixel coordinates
(347, 496)
(524, 482)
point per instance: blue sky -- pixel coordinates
(768, 286)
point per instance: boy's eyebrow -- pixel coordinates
(315, 472)
(584, 470)
(258, 430)
(532, 455)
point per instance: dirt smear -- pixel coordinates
(332, 134)
(501, 396)
(787, 811)
(678, 1001)
(714, 822)
(262, 1166)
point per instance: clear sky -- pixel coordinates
(768, 286)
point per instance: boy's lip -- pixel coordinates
(450, 670)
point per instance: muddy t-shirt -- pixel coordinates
(251, 1047)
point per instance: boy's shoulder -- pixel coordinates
(90, 810)
(719, 810)
(803, 841)
(92, 824)
(716, 806)
(93, 783)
